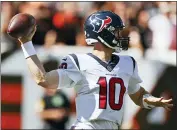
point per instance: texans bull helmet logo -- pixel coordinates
(98, 24)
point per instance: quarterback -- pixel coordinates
(101, 79)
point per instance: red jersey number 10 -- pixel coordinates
(112, 87)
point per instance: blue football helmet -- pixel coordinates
(105, 27)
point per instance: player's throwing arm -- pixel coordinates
(23, 27)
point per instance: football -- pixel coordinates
(21, 25)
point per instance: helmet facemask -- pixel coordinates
(113, 39)
(122, 42)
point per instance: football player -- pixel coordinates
(101, 79)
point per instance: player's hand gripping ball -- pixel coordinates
(21, 25)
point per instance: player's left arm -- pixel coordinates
(146, 100)
(143, 98)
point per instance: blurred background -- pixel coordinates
(152, 30)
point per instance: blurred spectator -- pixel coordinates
(161, 27)
(135, 38)
(53, 109)
(66, 22)
(50, 38)
(120, 10)
(144, 31)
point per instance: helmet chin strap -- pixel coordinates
(105, 42)
(117, 49)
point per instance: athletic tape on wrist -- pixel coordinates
(28, 49)
(147, 106)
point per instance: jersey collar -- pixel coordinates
(110, 65)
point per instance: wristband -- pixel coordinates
(28, 49)
(145, 105)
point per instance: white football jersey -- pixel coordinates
(100, 86)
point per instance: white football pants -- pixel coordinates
(96, 124)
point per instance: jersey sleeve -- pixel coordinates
(134, 81)
(69, 73)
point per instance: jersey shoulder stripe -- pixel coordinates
(133, 62)
(76, 60)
